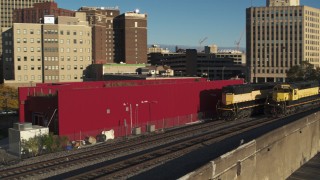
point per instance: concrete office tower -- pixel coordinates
(49, 52)
(283, 2)
(280, 37)
(101, 19)
(6, 20)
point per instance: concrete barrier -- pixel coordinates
(275, 155)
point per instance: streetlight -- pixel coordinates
(149, 102)
(130, 111)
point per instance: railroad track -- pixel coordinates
(111, 150)
(133, 165)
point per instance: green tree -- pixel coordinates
(8, 98)
(302, 72)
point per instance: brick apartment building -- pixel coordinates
(36, 13)
(117, 37)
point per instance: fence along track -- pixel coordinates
(129, 167)
(112, 150)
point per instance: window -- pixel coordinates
(24, 40)
(135, 24)
(68, 58)
(74, 41)
(25, 67)
(81, 66)
(32, 67)
(18, 58)
(68, 50)
(75, 33)
(38, 40)
(25, 77)
(81, 41)
(61, 50)
(38, 49)
(68, 32)
(18, 49)
(24, 31)
(68, 67)
(25, 49)
(75, 58)
(39, 67)
(18, 31)
(75, 67)
(80, 33)
(25, 58)
(32, 40)
(61, 41)
(31, 31)
(18, 40)
(19, 67)
(32, 49)
(32, 58)
(39, 58)
(39, 77)
(32, 77)
(61, 58)
(62, 67)
(75, 50)
(61, 32)
(68, 41)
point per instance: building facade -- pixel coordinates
(283, 2)
(280, 37)
(36, 13)
(47, 52)
(6, 18)
(132, 47)
(117, 37)
(101, 19)
(191, 63)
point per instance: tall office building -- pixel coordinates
(117, 37)
(6, 20)
(57, 51)
(279, 37)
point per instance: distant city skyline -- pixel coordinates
(186, 22)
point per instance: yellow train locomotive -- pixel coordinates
(240, 101)
(290, 97)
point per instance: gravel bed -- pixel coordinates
(67, 153)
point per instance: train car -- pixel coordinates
(288, 98)
(240, 101)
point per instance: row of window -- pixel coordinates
(25, 49)
(32, 67)
(24, 40)
(68, 67)
(62, 77)
(39, 77)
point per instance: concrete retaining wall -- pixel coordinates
(275, 155)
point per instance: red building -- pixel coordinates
(80, 109)
(36, 13)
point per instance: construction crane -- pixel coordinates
(237, 43)
(202, 41)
